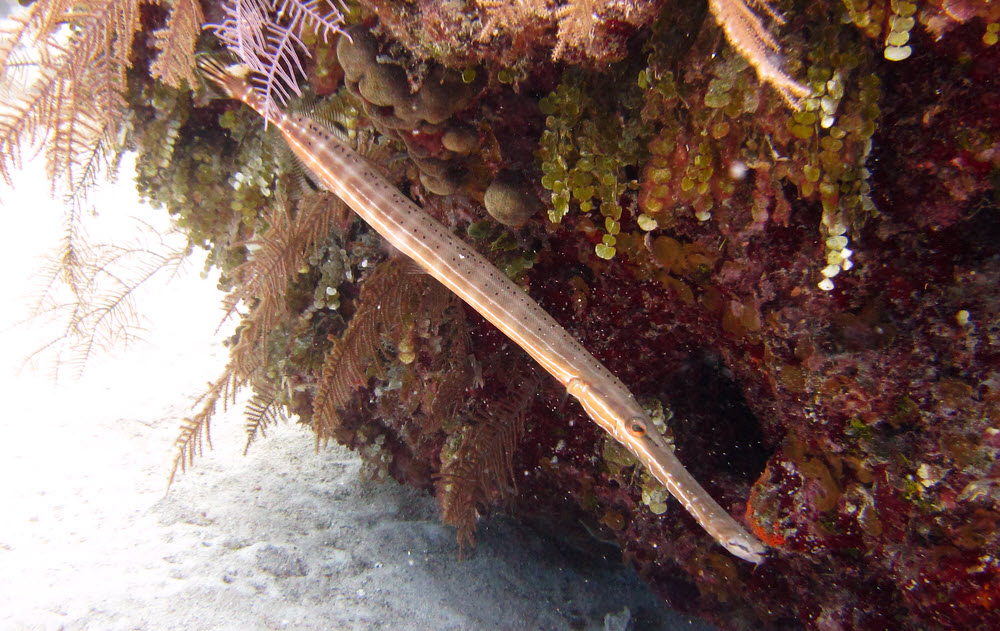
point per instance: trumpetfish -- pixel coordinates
(488, 290)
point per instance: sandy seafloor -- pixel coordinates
(283, 538)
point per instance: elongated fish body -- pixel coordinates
(474, 279)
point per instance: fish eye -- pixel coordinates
(636, 427)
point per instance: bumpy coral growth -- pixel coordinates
(507, 202)
(439, 145)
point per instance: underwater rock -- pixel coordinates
(508, 202)
(808, 297)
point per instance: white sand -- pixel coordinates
(284, 538)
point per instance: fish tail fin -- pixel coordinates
(231, 80)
